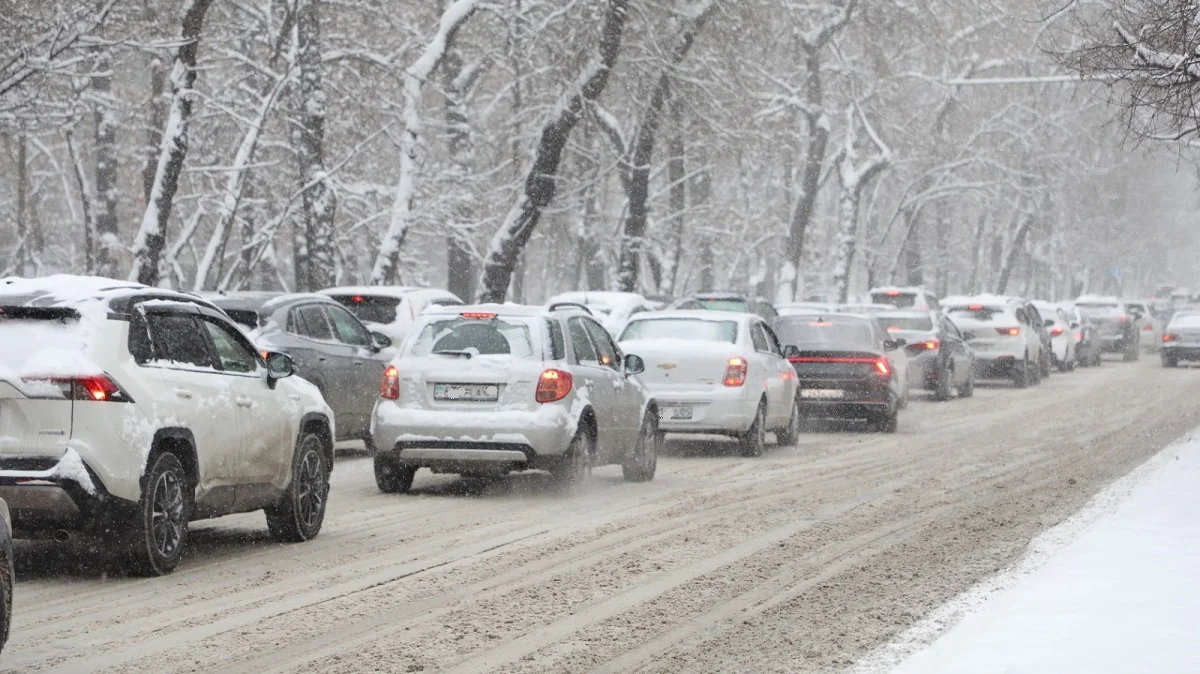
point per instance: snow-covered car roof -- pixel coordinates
(398, 292)
(693, 314)
(524, 310)
(1188, 320)
(1098, 299)
(899, 289)
(986, 299)
(598, 298)
(68, 290)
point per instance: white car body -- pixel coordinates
(805, 308)
(86, 399)
(401, 305)
(998, 331)
(687, 375)
(901, 297)
(1062, 327)
(612, 309)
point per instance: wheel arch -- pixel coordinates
(587, 421)
(180, 442)
(318, 424)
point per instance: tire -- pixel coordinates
(574, 468)
(944, 386)
(159, 534)
(1130, 354)
(888, 423)
(789, 435)
(1044, 366)
(1035, 374)
(391, 477)
(1064, 367)
(1170, 362)
(1023, 378)
(6, 590)
(301, 511)
(754, 441)
(968, 388)
(640, 465)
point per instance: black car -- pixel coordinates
(1116, 326)
(846, 366)
(939, 359)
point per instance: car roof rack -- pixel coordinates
(558, 306)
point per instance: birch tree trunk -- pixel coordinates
(852, 180)
(414, 80)
(85, 201)
(459, 263)
(151, 237)
(677, 176)
(540, 186)
(104, 262)
(319, 199)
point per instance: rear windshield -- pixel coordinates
(51, 346)
(476, 336)
(1101, 310)
(719, 304)
(902, 300)
(370, 308)
(690, 329)
(247, 318)
(912, 323)
(980, 313)
(808, 333)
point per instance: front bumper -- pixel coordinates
(47, 494)
(453, 439)
(717, 410)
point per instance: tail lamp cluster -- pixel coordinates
(94, 388)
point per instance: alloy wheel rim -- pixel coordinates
(310, 488)
(167, 514)
(647, 451)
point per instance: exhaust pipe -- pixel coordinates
(62, 536)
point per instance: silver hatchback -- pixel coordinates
(489, 389)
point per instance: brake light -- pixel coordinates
(1079, 336)
(389, 386)
(974, 307)
(893, 293)
(882, 367)
(1124, 319)
(1168, 337)
(1148, 328)
(1056, 331)
(358, 298)
(553, 385)
(96, 388)
(927, 345)
(735, 371)
(264, 353)
(478, 315)
(1009, 332)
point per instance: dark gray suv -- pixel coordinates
(331, 348)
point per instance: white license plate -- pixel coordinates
(822, 393)
(679, 412)
(467, 392)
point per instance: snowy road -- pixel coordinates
(802, 560)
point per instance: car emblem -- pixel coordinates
(666, 366)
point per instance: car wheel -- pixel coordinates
(1130, 353)
(6, 590)
(1170, 362)
(576, 465)
(160, 532)
(968, 388)
(1023, 376)
(754, 441)
(888, 423)
(791, 433)
(1063, 366)
(943, 390)
(301, 511)
(391, 477)
(1044, 368)
(640, 465)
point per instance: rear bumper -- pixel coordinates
(1180, 352)
(718, 410)
(996, 366)
(44, 495)
(444, 438)
(859, 398)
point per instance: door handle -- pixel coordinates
(183, 393)
(358, 363)
(320, 359)
(243, 402)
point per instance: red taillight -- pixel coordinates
(735, 371)
(1168, 337)
(1079, 336)
(96, 388)
(893, 293)
(478, 315)
(553, 385)
(1124, 319)
(1009, 332)
(389, 386)
(1056, 331)
(357, 299)
(974, 307)
(927, 345)
(1148, 328)
(882, 367)
(932, 345)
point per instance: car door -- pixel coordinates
(763, 365)
(329, 361)
(263, 443)
(786, 373)
(956, 346)
(626, 407)
(596, 380)
(365, 371)
(202, 400)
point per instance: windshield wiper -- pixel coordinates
(457, 354)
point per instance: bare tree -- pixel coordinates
(852, 179)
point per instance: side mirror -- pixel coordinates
(791, 351)
(279, 366)
(893, 344)
(1049, 322)
(1075, 325)
(380, 341)
(634, 365)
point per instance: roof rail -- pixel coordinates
(557, 306)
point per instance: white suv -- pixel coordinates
(126, 411)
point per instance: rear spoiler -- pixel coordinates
(38, 313)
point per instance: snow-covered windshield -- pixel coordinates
(906, 323)
(477, 336)
(901, 300)
(1101, 310)
(689, 329)
(724, 304)
(841, 330)
(43, 347)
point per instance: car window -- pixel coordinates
(689, 329)
(951, 329)
(232, 353)
(348, 329)
(773, 341)
(312, 323)
(483, 334)
(758, 338)
(609, 355)
(177, 339)
(558, 346)
(370, 308)
(581, 344)
(1020, 313)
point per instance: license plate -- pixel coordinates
(486, 393)
(981, 346)
(822, 393)
(679, 413)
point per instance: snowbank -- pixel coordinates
(1116, 588)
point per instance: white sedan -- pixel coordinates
(716, 372)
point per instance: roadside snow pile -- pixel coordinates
(1116, 588)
